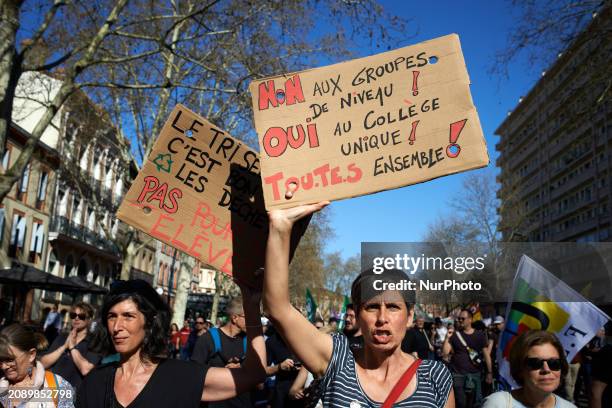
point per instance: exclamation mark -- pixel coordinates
(453, 149)
(412, 137)
(415, 86)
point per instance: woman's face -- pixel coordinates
(383, 321)
(16, 369)
(80, 319)
(543, 379)
(126, 326)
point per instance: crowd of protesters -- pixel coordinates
(537, 360)
(130, 354)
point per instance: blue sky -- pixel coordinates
(404, 214)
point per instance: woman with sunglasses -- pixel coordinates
(70, 356)
(537, 364)
(24, 383)
(137, 321)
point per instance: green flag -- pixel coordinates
(311, 306)
(343, 312)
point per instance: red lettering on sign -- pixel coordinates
(275, 139)
(270, 95)
(159, 194)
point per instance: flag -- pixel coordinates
(343, 312)
(541, 301)
(311, 306)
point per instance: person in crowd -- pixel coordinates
(590, 351)
(333, 323)
(70, 356)
(175, 341)
(137, 323)
(440, 330)
(493, 334)
(21, 370)
(226, 347)
(194, 335)
(368, 377)
(185, 332)
(571, 377)
(417, 340)
(319, 323)
(601, 386)
(537, 364)
(351, 330)
(467, 348)
(284, 365)
(53, 324)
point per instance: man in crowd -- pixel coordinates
(282, 364)
(53, 324)
(468, 351)
(440, 335)
(351, 331)
(601, 388)
(200, 329)
(225, 347)
(417, 340)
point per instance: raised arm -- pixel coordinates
(224, 383)
(312, 347)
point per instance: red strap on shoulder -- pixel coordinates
(401, 384)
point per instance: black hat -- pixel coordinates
(141, 287)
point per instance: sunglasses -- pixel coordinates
(554, 364)
(461, 318)
(199, 322)
(81, 316)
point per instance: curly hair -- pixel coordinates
(157, 325)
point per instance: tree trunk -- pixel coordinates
(182, 289)
(129, 253)
(10, 65)
(217, 296)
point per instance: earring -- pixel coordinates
(29, 371)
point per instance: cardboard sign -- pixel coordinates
(367, 125)
(200, 192)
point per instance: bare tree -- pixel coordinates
(339, 273)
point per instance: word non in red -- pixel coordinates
(159, 193)
(269, 95)
(322, 176)
(276, 139)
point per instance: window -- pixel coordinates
(6, 159)
(1, 224)
(42, 190)
(36, 242)
(23, 184)
(18, 233)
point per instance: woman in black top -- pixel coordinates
(137, 322)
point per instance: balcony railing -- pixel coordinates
(83, 234)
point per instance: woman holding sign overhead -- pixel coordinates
(378, 373)
(137, 322)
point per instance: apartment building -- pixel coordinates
(555, 151)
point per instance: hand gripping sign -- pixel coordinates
(367, 125)
(199, 191)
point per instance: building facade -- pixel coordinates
(555, 149)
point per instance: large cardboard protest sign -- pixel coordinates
(200, 192)
(367, 125)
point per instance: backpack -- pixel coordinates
(216, 338)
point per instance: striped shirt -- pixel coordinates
(342, 388)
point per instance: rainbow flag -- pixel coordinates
(541, 301)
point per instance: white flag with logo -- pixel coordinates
(541, 301)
